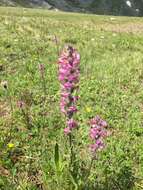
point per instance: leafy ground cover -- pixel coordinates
(111, 85)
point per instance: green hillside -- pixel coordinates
(111, 85)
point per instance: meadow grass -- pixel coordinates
(111, 85)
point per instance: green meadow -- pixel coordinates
(111, 85)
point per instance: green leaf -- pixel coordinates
(57, 157)
(73, 182)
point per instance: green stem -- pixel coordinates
(71, 149)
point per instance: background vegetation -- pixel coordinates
(111, 85)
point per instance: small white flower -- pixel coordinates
(112, 18)
(129, 3)
(102, 37)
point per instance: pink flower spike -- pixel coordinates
(98, 133)
(69, 73)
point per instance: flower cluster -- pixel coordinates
(69, 77)
(97, 133)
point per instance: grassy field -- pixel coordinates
(111, 85)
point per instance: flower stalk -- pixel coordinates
(69, 78)
(97, 134)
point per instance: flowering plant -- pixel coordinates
(69, 73)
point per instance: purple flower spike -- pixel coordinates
(69, 72)
(97, 133)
